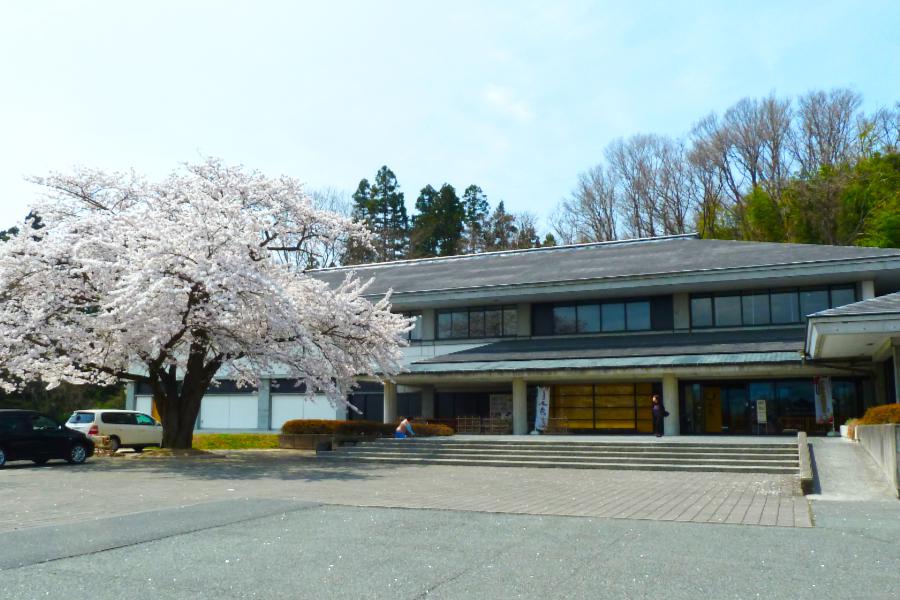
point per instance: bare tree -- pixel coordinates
(826, 131)
(589, 214)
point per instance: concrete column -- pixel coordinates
(672, 424)
(520, 407)
(523, 324)
(867, 289)
(129, 395)
(428, 324)
(896, 373)
(681, 306)
(390, 402)
(264, 405)
(427, 395)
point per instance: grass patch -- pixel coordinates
(235, 441)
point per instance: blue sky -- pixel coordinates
(517, 97)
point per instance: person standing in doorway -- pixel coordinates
(659, 414)
(404, 429)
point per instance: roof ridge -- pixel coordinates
(680, 236)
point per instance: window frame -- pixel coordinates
(768, 292)
(501, 309)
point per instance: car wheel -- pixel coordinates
(114, 443)
(2, 457)
(77, 454)
(40, 461)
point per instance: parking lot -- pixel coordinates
(282, 525)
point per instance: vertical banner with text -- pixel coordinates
(823, 399)
(542, 408)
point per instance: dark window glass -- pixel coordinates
(82, 417)
(42, 423)
(638, 316)
(756, 309)
(812, 302)
(510, 321)
(564, 319)
(460, 326)
(842, 296)
(728, 310)
(701, 312)
(476, 323)
(416, 332)
(785, 308)
(613, 316)
(588, 318)
(493, 322)
(444, 325)
(143, 419)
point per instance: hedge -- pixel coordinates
(359, 428)
(880, 415)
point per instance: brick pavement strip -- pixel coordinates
(109, 487)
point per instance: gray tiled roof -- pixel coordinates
(882, 305)
(634, 345)
(659, 256)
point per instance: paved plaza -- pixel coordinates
(283, 525)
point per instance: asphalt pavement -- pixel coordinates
(223, 546)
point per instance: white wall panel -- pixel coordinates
(229, 412)
(143, 404)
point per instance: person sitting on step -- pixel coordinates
(404, 429)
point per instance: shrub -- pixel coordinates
(431, 429)
(360, 428)
(880, 415)
(329, 427)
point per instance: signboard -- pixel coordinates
(761, 416)
(542, 408)
(823, 400)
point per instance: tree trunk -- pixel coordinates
(178, 420)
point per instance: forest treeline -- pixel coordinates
(815, 169)
(812, 169)
(445, 223)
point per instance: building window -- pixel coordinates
(476, 322)
(596, 317)
(727, 310)
(564, 320)
(785, 308)
(613, 317)
(755, 309)
(637, 316)
(415, 334)
(776, 307)
(701, 312)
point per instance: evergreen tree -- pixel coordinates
(549, 241)
(476, 209)
(502, 231)
(423, 242)
(363, 211)
(390, 222)
(438, 226)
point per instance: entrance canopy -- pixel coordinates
(869, 329)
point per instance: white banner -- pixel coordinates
(542, 408)
(823, 399)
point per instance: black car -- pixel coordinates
(29, 435)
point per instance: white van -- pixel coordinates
(125, 428)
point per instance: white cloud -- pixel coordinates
(505, 101)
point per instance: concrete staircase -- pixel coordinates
(570, 453)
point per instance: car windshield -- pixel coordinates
(81, 417)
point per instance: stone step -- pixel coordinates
(570, 454)
(553, 448)
(564, 444)
(490, 462)
(636, 459)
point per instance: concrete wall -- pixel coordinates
(882, 442)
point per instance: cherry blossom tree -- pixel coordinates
(171, 282)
